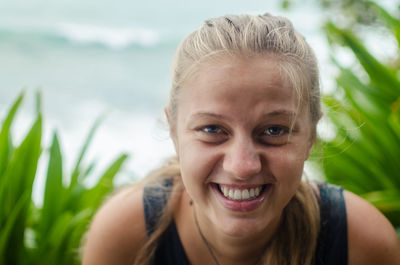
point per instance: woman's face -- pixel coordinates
(239, 162)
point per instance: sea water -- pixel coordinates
(93, 57)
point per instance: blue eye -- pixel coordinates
(274, 131)
(275, 135)
(214, 129)
(213, 134)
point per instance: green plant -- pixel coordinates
(50, 234)
(364, 157)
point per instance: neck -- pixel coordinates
(227, 249)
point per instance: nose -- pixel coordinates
(242, 160)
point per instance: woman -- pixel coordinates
(243, 112)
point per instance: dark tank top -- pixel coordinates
(332, 239)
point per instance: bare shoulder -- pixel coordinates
(117, 230)
(371, 237)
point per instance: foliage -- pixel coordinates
(364, 157)
(345, 12)
(52, 233)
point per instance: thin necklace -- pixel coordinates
(204, 239)
(206, 242)
(210, 250)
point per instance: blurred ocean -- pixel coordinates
(91, 57)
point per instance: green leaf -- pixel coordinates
(38, 102)
(79, 224)
(89, 169)
(54, 243)
(20, 173)
(76, 171)
(5, 143)
(60, 228)
(392, 23)
(366, 99)
(93, 198)
(8, 251)
(385, 200)
(381, 75)
(54, 190)
(17, 182)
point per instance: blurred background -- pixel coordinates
(111, 60)
(89, 58)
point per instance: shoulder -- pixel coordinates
(371, 237)
(117, 230)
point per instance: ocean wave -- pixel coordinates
(115, 38)
(84, 35)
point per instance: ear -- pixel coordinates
(172, 129)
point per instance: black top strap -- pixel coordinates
(155, 198)
(170, 249)
(332, 240)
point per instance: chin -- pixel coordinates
(242, 227)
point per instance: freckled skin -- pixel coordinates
(239, 95)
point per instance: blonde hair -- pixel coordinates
(247, 35)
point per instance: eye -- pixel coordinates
(275, 131)
(274, 135)
(212, 134)
(213, 129)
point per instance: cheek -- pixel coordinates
(196, 163)
(287, 169)
(287, 165)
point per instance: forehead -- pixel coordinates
(261, 71)
(240, 82)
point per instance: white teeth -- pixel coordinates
(237, 195)
(240, 194)
(230, 194)
(245, 194)
(252, 194)
(225, 191)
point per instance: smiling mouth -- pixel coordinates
(241, 194)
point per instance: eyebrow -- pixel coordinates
(280, 112)
(208, 115)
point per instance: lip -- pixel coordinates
(241, 206)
